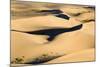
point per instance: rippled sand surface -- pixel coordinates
(47, 33)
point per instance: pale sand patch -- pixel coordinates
(84, 55)
(42, 22)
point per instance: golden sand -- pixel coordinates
(74, 46)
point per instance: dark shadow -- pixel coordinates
(42, 60)
(57, 13)
(54, 32)
(52, 11)
(62, 16)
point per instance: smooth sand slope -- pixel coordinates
(39, 23)
(84, 55)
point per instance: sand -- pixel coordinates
(74, 10)
(74, 46)
(39, 23)
(80, 56)
(63, 44)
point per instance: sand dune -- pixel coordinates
(84, 55)
(74, 10)
(73, 46)
(63, 44)
(21, 42)
(39, 23)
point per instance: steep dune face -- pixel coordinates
(84, 55)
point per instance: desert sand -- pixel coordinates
(39, 23)
(74, 46)
(84, 55)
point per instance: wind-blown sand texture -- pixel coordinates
(47, 33)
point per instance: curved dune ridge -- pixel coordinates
(51, 33)
(39, 23)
